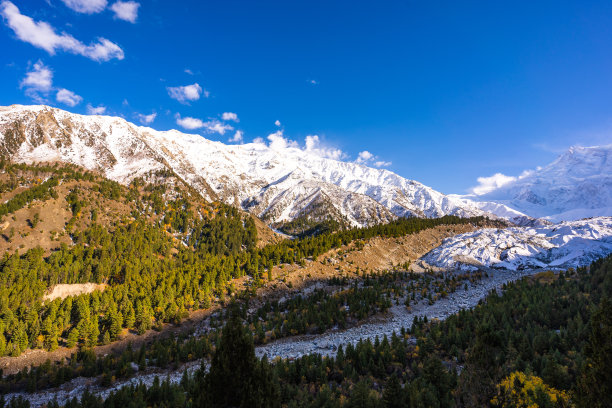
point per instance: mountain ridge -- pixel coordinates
(282, 184)
(275, 184)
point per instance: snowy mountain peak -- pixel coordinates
(277, 182)
(578, 184)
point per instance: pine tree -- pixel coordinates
(264, 390)
(483, 370)
(21, 337)
(73, 338)
(115, 324)
(143, 320)
(361, 397)
(130, 317)
(93, 332)
(51, 340)
(393, 396)
(236, 378)
(595, 384)
(106, 339)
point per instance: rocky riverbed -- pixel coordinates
(398, 316)
(327, 343)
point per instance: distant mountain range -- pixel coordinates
(289, 183)
(578, 184)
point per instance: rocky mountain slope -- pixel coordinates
(578, 184)
(276, 184)
(563, 245)
(49, 206)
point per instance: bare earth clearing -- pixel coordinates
(64, 290)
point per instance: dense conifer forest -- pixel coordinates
(544, 341)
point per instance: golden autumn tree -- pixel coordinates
(528, 391)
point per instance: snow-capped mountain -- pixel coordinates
(277, 184)
(563, 245)
(505, 212)
(578, 184)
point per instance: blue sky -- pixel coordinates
(440, 92)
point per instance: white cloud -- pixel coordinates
(313, 82)
(526, 173)
(126, 10)
(382, 163)
(189, 123)
(230, 116)
(277, 123)
(36, 96)
(368, 159)
(186, 93)
(40, 78)
(238, 137)
(38, 82)
(313, 145)
(104, 50)
(212, 126)
(364, 157)
(188, 71)
(42, 35)
(68, 97)
(488, 184)
(86, 6)
(279, 142)
(99, 110)
(146, 119)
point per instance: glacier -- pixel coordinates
(563, 245)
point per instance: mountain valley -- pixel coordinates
(126, 251)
